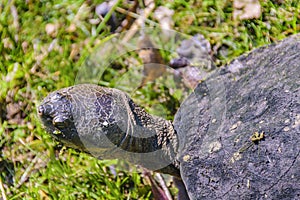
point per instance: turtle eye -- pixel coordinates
(45, 112)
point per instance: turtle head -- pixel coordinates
(87, 117)
(56, 115)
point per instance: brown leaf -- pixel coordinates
(246, 9)
(152, 60)
(164, 16)
(52, 29)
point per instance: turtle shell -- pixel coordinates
(239, 130)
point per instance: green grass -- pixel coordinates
(33, 63)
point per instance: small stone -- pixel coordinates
(72, 28)
(248, 183)
(297, 121)
(234, 126)
(164, 16)
(25, 46)
(214, 146)
(30, 126)
(235, 157)
(186, 158)
(7, 43)
(286, 129)
(51, 29)
(213, 121)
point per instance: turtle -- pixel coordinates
(236, 136)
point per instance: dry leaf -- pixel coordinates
(152, 60)
(52, 29)
(246, 9)
(164, 16)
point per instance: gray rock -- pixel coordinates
(221, 156)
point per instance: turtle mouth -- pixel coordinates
(60, 127)
(56, 115)
(54, 125)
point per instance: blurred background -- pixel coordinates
(45, 44)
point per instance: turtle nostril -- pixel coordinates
(41, 110)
